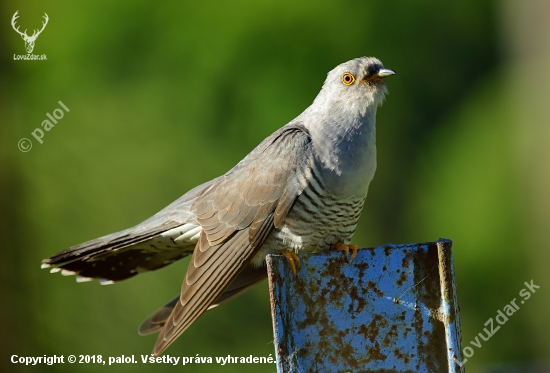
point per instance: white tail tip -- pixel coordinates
(83, 279)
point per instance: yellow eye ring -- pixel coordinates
(348, 79)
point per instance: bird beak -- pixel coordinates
(383, 73)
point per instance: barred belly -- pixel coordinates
(315, 222)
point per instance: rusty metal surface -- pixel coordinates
(393, 309)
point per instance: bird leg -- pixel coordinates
(292, 258)
(343, 247)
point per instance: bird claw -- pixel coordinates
(292, 258)
(346, 248)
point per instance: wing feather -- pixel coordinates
(246, 279)
(237, 214)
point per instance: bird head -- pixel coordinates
(359, 83)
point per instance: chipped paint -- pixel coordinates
(393, 309)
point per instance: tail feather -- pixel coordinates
(122, 255)
(249, 277)
(165, 237)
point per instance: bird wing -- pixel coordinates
(167, 236)
(237, 214)
(247, 278)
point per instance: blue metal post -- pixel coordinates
(394, 309)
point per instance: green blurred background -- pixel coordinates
(164, 96)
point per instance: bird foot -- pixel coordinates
(343, 247)
(292, 258)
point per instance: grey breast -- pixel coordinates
(319, 219)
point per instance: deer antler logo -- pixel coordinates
(29, 40)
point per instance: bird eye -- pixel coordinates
(348, 79)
